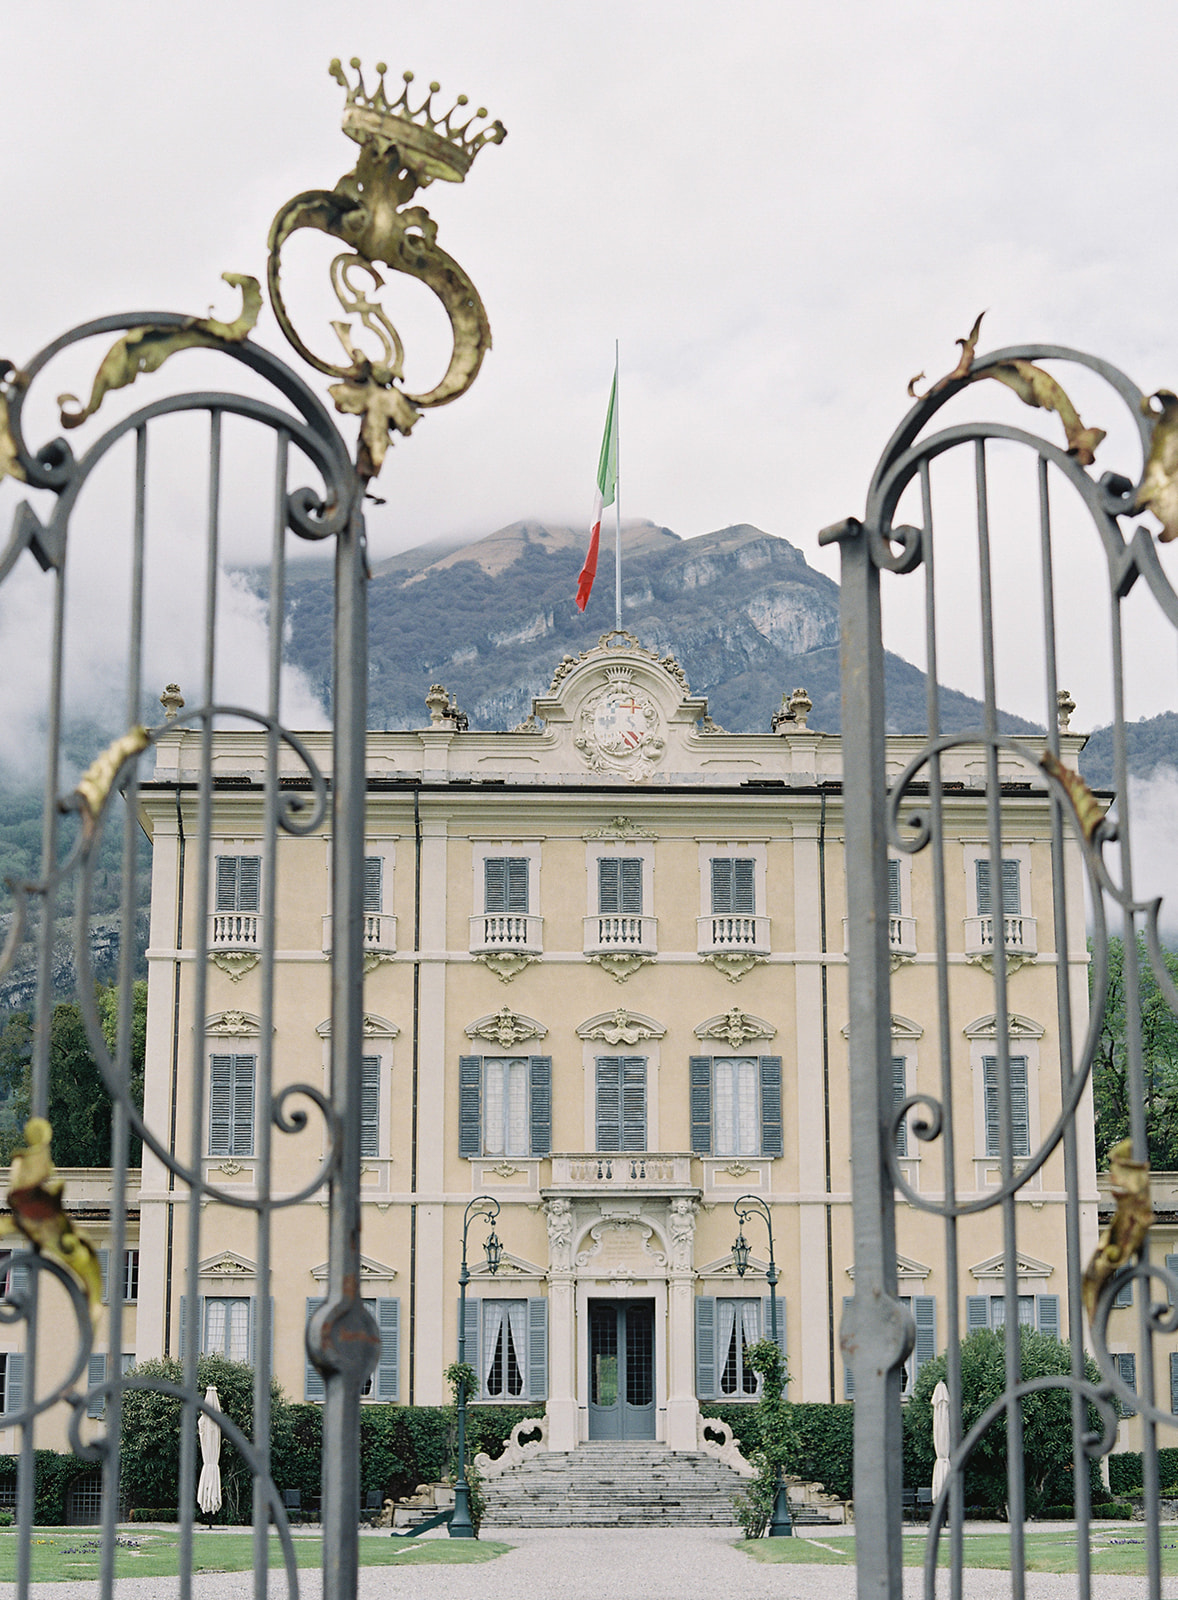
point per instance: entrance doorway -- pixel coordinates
(621, 1369)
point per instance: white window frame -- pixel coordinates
(228, 1300)
(1023, 1039)
(606, 849)
(482, 850)
(232, 1154)
(378, 1038)
(524, 1062)
(723, 850)
(731, 1155)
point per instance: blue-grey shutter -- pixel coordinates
(744, 895)
(95, 1373)
(537, 1348)
(474, 1344)
(540, 1104)
(314, 1387)
(1124, 1296)
(370, 1104)
(899, 1095)
(243, 1106)
(721, 885)
(1020, 1110)
(609, 1103)
(226, 883)
(633, 1102)
(631, 886)
(200, 1323)
(373, 884)
(771, 1130)
(14, 1382)
(517, 883)
(848, 1370)
(470, 1114)
(1047, 1309)
(990, 1094)
(609, 885)
(220, 1104)
(705, 1346)
(388, 1368)
(767, 1323)
(701, 1105)
(19, 1276)
(1174, 1381)
(893, 888)
(924, 1312)
(977, 1312)
(249, 883)
(495, 883)
(1172, 1268)
(104, 1268)
(1127, 1371)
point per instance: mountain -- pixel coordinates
(742, 611)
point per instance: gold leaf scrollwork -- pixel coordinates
(94, 784)
(1087, 807)
(403, 148)
(1121, 1241)
(1159, 482)
(35, 1200)
(146, 349)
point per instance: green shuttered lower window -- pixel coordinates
(735, 1106)
(504, 1105)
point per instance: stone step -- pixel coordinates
(605, 1484)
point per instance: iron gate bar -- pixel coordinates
(869, 1335)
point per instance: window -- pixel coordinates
(239, 883)
(894, 895)
(385, 1382)
(505, 884)
(733, 886)
(924, 1313)
(14, 1272)
(231, 1106)
(724, 1329)
(621, 1103)
(226, 1329)
(1020, 1127)
(12, 1382)
(370, 1105)
(505, 1105)
(736, 1105)
(130, 1274)
(619, 886)
(1011, 887)
(1039, 1311)
(507, 1345)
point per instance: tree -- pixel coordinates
(1159, 1044)
(1047, 1419)
(79, 1103)
(778, 1444)
(150, 1448)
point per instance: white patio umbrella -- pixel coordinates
(208, 1490)
(941, 1441)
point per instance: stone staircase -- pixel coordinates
(605, 1484)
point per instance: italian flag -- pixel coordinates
(607, 488)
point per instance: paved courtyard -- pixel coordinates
(600, 1564)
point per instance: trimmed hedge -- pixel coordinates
(827, 1439)
(1124, 1469)
(153, 1514)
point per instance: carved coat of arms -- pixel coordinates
(621, 730)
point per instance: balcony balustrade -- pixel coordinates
(1020, 936)
(506, 930)
(609, 931)
(733, 931)
(621, 1170)
(380, 933)
(235, 930)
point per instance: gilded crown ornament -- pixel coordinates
(403, 148)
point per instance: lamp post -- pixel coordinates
(751, 1205)
(482, 1205)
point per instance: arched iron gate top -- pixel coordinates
(885, 816)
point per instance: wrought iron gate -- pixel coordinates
(906, 814)
(405, 143)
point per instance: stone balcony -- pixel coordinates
(1020, 936)
(901, 936)
(235, 930)
(380, 933)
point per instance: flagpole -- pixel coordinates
(617, 502)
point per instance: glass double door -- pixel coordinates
(621, 1369)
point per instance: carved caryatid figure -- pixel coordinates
(560, 1233)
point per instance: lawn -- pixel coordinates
(1116, 1550)
(66, 1553)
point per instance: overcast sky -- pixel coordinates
(780, 210)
